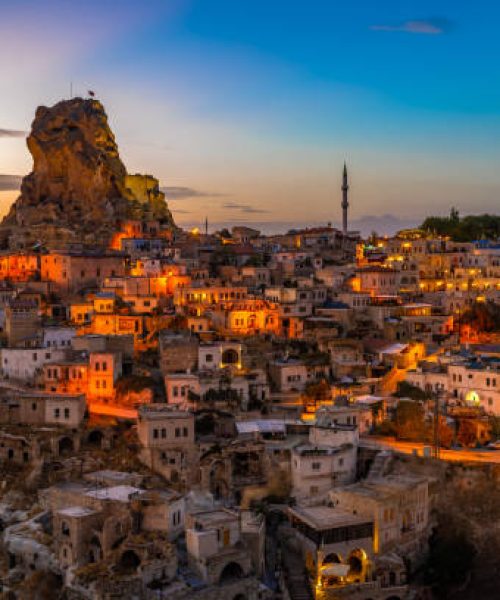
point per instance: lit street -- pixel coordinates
(462, 455)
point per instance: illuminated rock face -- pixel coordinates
(79, 189)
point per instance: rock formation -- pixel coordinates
(79, 189)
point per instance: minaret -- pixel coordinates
(345, 203)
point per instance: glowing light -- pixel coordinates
(195, 231)
(472, 397)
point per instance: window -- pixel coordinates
(209, 357)
(163, 433)
(98, 366)
(155, 433)
(316, 466)
(66, 413)
(177, 432)
(33, 406)
(175, 391)
(185, 431)
(104, 366)
(56, 413)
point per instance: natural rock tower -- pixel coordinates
(79, 189)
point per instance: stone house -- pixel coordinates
(167, 438)
(214, 546)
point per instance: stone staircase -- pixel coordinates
(295, 577)
(380, 465)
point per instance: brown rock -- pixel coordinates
(79, 186)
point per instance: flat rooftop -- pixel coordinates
(119, 493)
(76, 511)
(160, 411)
(211, 518)
(326, 517)
(384, 488)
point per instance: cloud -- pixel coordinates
(435, 26)
(246, 208)
(178, 193)
(10, 183)
(12, 133)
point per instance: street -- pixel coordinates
(461, 455)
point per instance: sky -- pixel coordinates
(245, 110)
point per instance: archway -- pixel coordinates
(357, 561)
(95, 437)
(65, 446)
(129, 561)
(95, 550)
(332, 558)
(230, 357)
(231, 572)
(218, 484)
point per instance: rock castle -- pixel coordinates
(79, 190)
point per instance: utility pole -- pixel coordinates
(436, 441)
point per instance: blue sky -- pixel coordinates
(252, 106)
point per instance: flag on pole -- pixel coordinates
(91, 93)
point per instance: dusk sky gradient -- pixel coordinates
(246, 109)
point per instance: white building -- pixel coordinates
(219, 355)
(25, 363)
(327, 461)
(58, 337)
(213, 540)
(474, 383)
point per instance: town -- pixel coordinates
(227, 414)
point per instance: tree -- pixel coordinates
(315, 393)
(445, 432)
(484, 317)
(224, 234)
(467, 229)
(467, 433)
(407, 390)
(410, 423)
